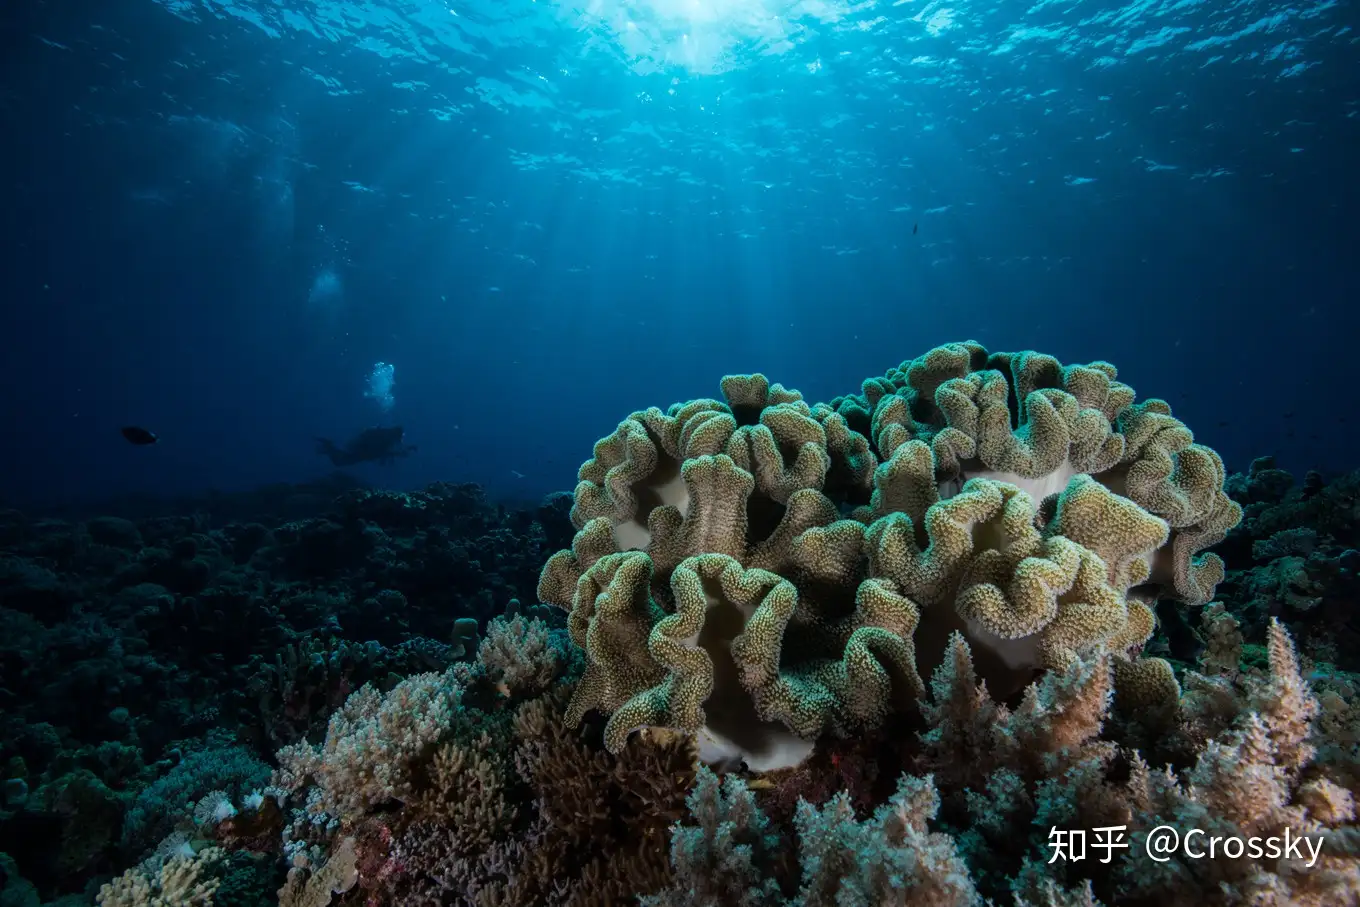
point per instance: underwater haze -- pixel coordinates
(679, 453)
(224, 220)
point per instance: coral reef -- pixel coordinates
(181, 881)
(147, 662)
(914, 646)
(1295, 557)
(501, 801)
(469, 787)
(760, 570)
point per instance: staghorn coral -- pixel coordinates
(305, 682)
(599, 817)
(465, 788)
(717, 586)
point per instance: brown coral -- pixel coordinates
(315, 886)
(1034, 507)
(184, 880)
(498, 801)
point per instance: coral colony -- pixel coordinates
(959, 638)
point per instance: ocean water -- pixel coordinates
(217, 216)
(309, 312)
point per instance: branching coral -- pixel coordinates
(726, 857)
(185, 880)
(1004, 778)
(774, 587)
(520, 656)
(716, 583)
(1259, 781)
(1003, 772)
(372, 745)
(315, 886)
(305, 682)
(530, 813)
(471, 788)
(1044, 765)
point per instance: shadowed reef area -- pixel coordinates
(879, 650)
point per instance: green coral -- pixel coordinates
(759, 570)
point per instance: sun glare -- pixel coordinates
(702, 36)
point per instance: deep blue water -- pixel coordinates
(217, 215)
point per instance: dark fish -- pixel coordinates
(138, 435)
(914, 228)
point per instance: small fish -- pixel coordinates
(138, 435)
(914, 228)
(760, 784)
(516, 474)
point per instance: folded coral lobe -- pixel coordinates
(760, 571)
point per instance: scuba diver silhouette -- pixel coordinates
(372, 445)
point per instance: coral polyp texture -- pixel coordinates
(761, 570)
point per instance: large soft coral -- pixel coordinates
(1025, 419)
(793, 569)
